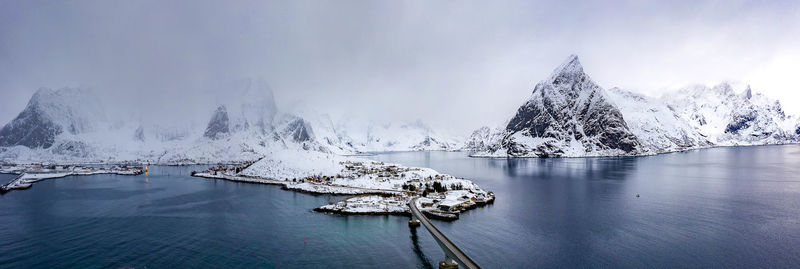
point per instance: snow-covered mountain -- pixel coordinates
(252, 106)
(566, 115)
(219, 125)
(350, 134)
(569, 115)
(400, 137)
(50, 113)
(69, 125)
(655, 124)
(485, 139)
(730, 117)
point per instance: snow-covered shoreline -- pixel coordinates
(645, 154)
(305, 187)
(30, 175)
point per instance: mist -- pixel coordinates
(456, 67)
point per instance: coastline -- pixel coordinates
(29, 176)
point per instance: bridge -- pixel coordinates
(454, 257)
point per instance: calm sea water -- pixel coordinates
(724, 207)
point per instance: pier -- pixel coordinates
(454, 257)
(15, 184)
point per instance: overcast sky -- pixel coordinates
(457, 65)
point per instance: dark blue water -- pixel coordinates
(724, 208)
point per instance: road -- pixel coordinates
(450, 249)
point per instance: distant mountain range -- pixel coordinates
(569, 115)
(69, 125)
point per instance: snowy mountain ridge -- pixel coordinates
(655, 124)
(729, 117)
(358, 134)
(566, 115)
(554, 121)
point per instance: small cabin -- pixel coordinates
(450, 205)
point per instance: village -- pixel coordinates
(377, 188)
(32, 173)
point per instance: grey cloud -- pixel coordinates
(456, 65)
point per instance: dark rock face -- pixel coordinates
(219, 125)
(72, 148)
(740, 122)
(428, 141)
(567, 108)
(31, 128)
(299, 131)
(798, 130)
(138, 135)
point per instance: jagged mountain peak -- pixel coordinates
(570, 69)
(299, 130)
(568, 83)
(748, 93)
(571, 64)
(568, 115)
(221, 109)
(255, 105)
(219, 125)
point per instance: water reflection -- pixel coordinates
(719, 207)
(545, 168)
(424, 261)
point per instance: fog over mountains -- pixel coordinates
(567, 115)
(71, 125)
